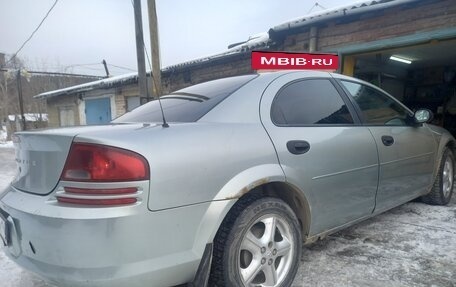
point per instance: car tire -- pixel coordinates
(258, 243)
(443, 186)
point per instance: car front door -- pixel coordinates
(322, 148)
(406, 150)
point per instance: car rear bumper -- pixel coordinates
(113, 246)
(134, 274)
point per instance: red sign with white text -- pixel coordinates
(293, 61)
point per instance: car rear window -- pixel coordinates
(188, 104)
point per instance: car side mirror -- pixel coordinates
(423, 116)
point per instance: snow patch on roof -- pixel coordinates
(100, 84)
(349, 9)
(256, 41)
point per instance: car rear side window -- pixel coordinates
(309, 102)
(376, 107)
(188, 104)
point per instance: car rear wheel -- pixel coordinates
(258, 244)
(443, 186)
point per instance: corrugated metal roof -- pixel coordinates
(100, 84)
(257, 41)
(263, 40)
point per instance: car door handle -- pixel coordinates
(298, 147)
(387, 140)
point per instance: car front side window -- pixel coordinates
(376, 107)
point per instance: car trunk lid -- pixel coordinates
(40, 158)
(41, 155)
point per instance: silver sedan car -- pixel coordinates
(225, 192)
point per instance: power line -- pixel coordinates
(34, 31)
(54, 73)
(64, 74)
(77, 65)
(87, 68)
(316, 5)
(96, 64)
(121, 67)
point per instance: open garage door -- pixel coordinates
(420, 76)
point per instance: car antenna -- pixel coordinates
(164, 124)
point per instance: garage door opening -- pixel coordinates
(420, 76)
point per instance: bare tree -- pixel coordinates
(31, 85)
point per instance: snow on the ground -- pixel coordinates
(3, 137)
(12, 275)
(411, 245)
(2, 133)
(7, 168)
(8, 144)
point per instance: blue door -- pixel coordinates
(98, 111)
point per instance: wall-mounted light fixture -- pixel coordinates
(399, 59)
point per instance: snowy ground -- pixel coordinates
(3, 136)
(412, 245)
(7, 144)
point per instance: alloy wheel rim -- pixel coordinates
(266, 252)
(448, 177)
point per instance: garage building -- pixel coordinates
(407, 47)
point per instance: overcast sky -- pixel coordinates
(81, 32)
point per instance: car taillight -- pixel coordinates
(100, 163)
(84, 201)
(101, 191)
(98, 196)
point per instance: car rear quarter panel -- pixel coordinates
(193, 164)
(199, 162)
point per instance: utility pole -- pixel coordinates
(2, 60)
(21, 100)
(155, 48)
(142, 80)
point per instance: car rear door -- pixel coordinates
(406, 150)
(322, 148)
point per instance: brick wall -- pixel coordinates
(385, 24)
(229, 66)
(122, 93)
(53, 108)
(54, 104)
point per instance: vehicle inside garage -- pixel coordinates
(420, 76)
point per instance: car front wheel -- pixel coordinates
(258, 244)
(443, 186)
